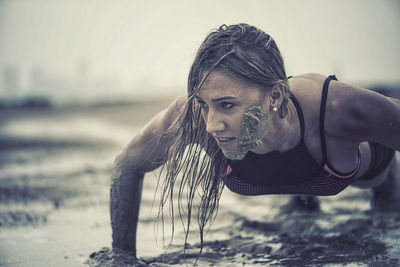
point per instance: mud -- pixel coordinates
(54, 206)
(107, 257)
(252, 127)
(289, 241)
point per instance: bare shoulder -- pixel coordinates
(363, 114)
(307, 90)
(145, 152)
(352, 114)
(311, 76)
(307, 87)
(163, 120)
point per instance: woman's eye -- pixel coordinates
(203, 105)
(226, 105)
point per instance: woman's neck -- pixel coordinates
(282, 134)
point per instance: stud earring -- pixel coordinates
(274, 109)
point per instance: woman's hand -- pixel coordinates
(107, 257)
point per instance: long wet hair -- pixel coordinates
(246, 54)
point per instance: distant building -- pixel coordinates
(37, 80)
(10, 80)
(82, 75)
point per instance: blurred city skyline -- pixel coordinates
(87, 50)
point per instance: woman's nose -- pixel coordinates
(214, 123)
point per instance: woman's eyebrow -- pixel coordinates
(218, 99)
(223, 98)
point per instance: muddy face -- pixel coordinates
(252, 128)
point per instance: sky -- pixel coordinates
(129, 47)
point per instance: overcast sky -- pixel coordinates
(152, 42)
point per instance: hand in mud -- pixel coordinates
(107, 257)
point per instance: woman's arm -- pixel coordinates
(140, 156)
(364, 115)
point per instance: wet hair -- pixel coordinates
(247, 54)
(243, 52)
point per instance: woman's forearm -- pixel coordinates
(143, 154)
(125, 197)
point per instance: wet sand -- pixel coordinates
(55, 166)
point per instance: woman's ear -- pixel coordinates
(276, 96)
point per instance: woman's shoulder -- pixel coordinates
(307, 82)
(316, 77)
(172, 112)
(351, 112)
(307, 88)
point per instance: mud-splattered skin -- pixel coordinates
(252, 128)
(233, 109)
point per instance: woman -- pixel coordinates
(263, 133)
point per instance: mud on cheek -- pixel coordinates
(253, 123)
(252, 126)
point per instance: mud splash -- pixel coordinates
(54, 198)
(296, 239)
(113, 258)
(252, 127)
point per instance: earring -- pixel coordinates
(275, 109)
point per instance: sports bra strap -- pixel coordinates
(299, 114)
(322, 117)
(325, 162)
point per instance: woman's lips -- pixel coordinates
(224, 142)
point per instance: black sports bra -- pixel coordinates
(276, 168)
(293, 171)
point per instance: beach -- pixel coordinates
(55, 169)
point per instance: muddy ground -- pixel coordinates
(55, 166)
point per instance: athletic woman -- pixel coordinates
(246, 125)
